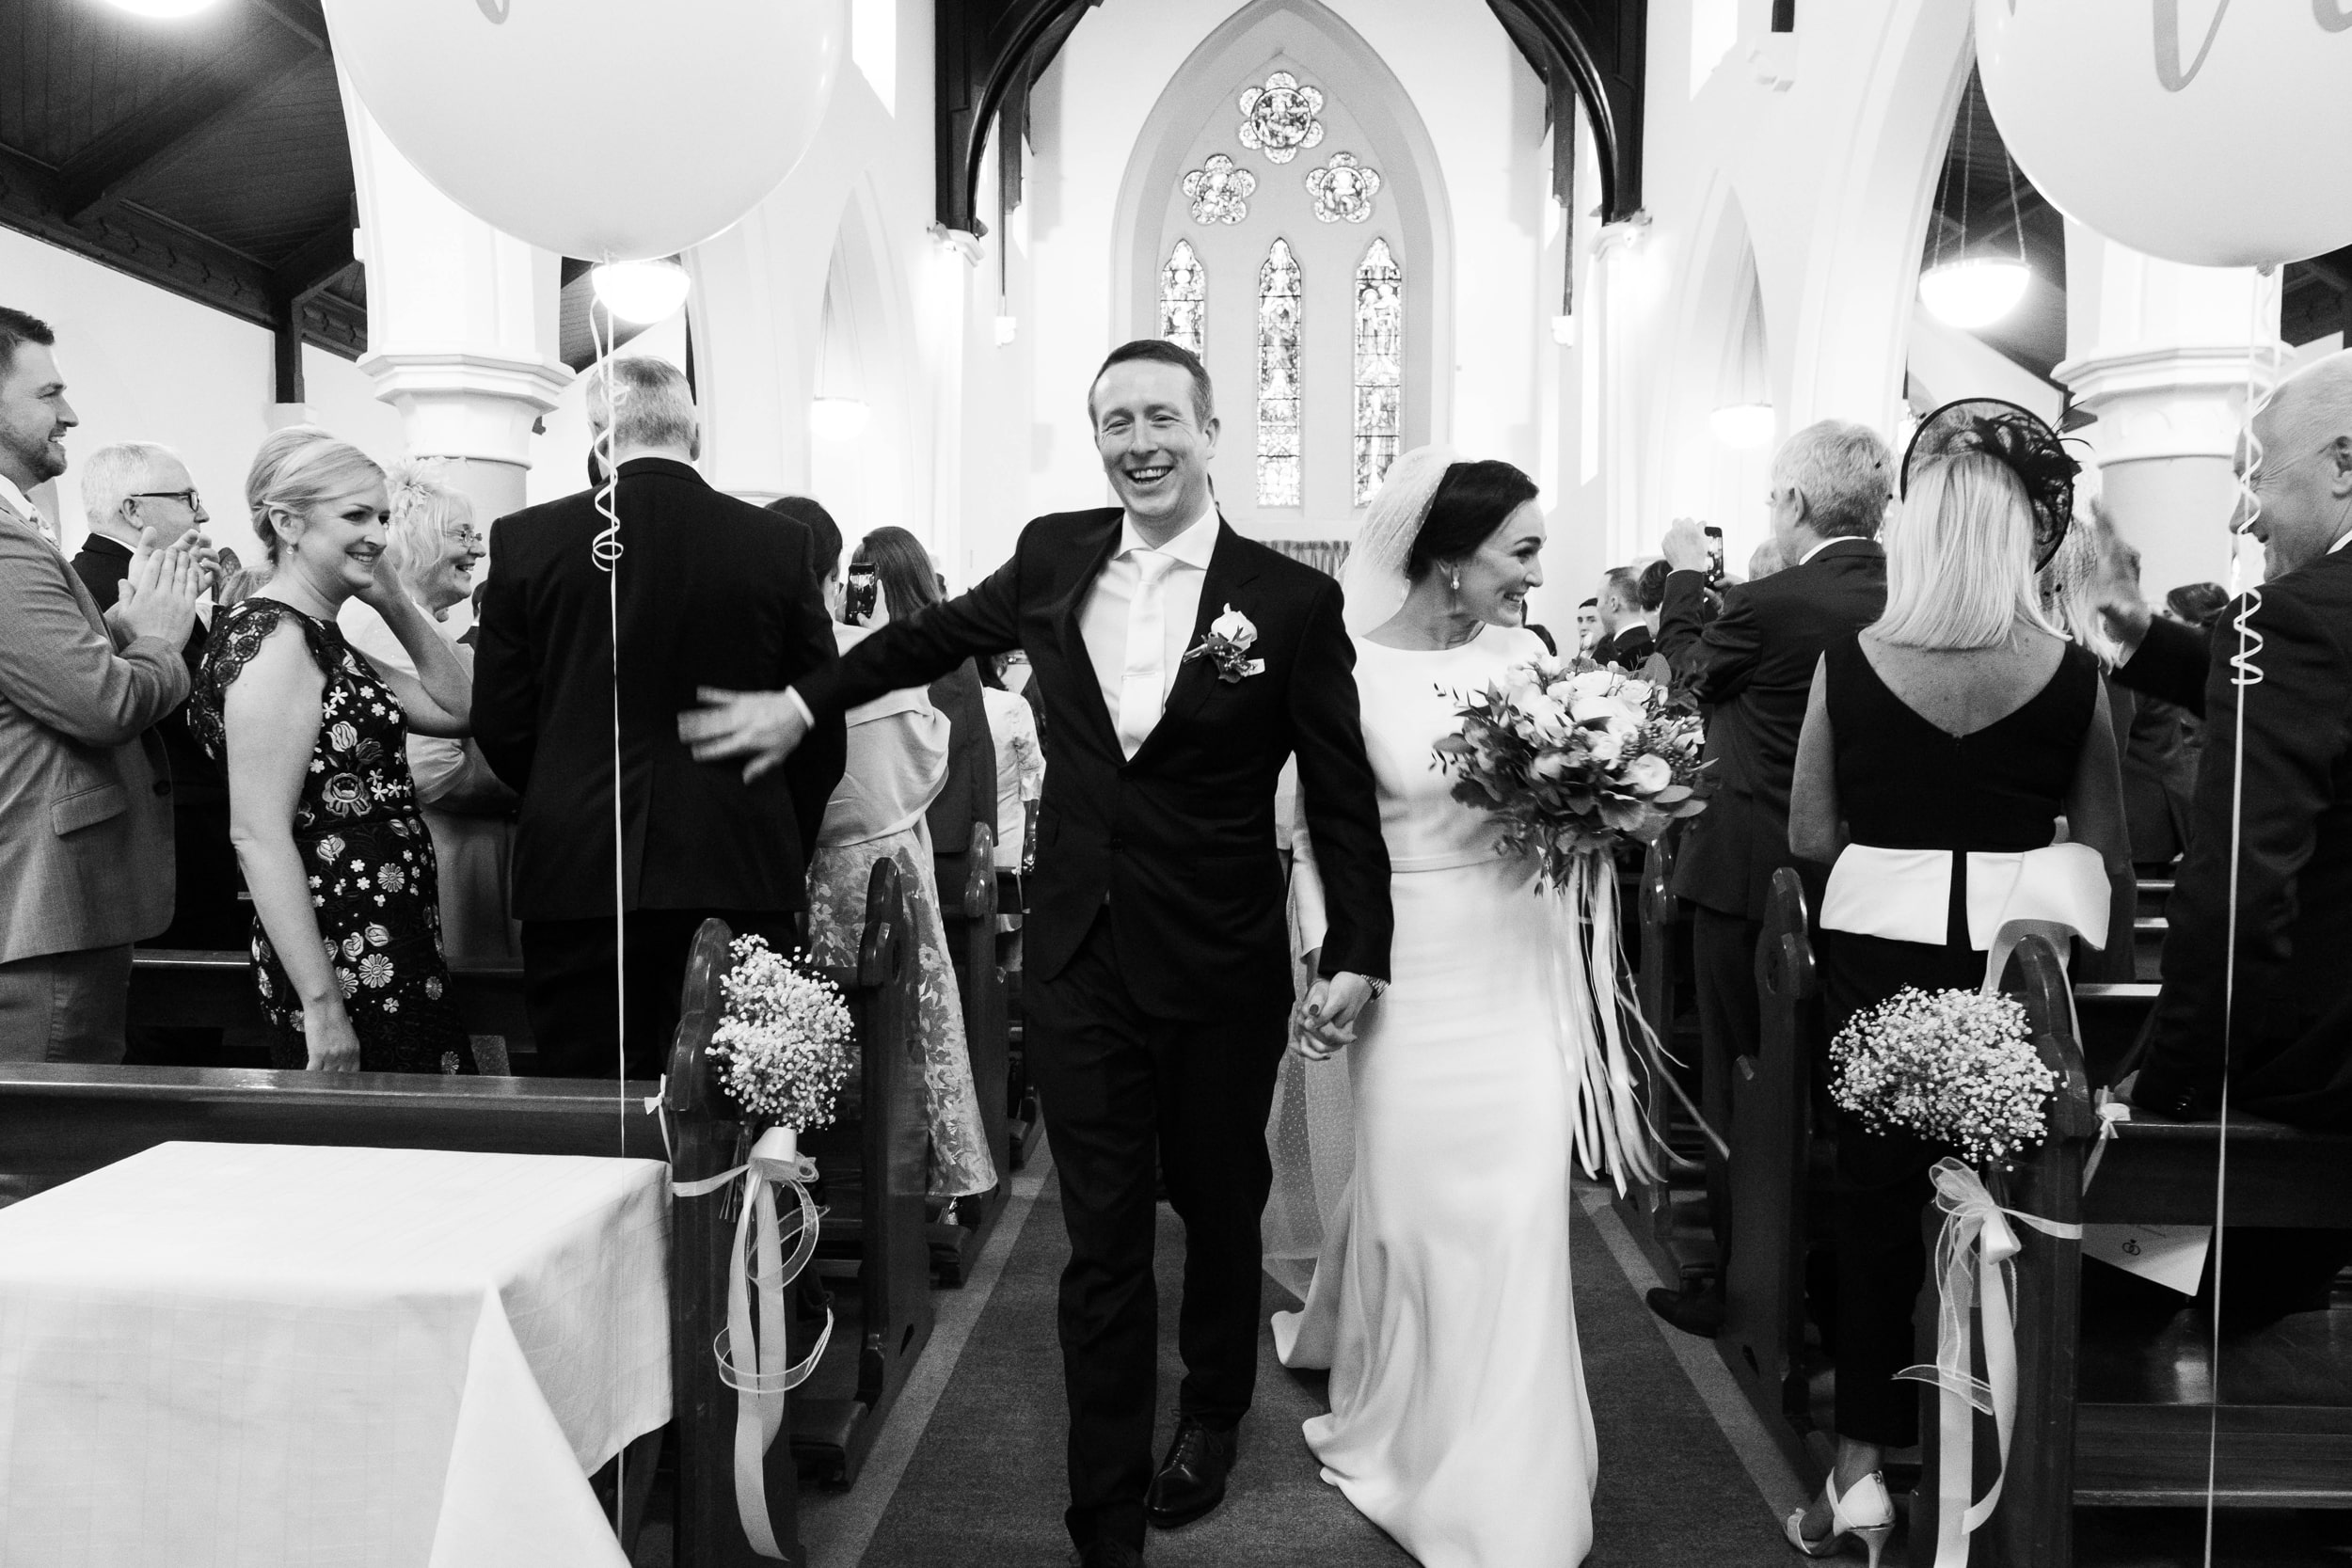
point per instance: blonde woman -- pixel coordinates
(434, 547)
(1947, 749)
(322, 809)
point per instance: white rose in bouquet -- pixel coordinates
(1592, 683)
(1647, 774)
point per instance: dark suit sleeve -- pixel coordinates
(2171, 662)
(505, 681)
(815, 766)
(1338, 795)
(981, 623)
(1713, 660)
(2295, 734)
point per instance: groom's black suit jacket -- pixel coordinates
(2289, 1032)
(1181, 839)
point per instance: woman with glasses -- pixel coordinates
(434, 548)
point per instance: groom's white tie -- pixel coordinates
(1143, 685)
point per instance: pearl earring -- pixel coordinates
(1457, 579)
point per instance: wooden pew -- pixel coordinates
(1669, 1215)
(1024, 1124)
(58, 1122)
(1773, 1178)
(2115, 1414)
(969, 912)
(215, 990)
(872, 1168)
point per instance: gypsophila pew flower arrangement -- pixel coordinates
(1574, 759)
(1954, 1065)
(783, 1041)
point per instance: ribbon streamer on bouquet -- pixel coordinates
(755, 1366)
(2111, 1112)
(1972, 1267)
(1612, 1134)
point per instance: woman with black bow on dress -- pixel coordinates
(1958, 766)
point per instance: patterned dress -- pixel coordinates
(364, 846)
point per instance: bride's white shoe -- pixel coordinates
(1864, 1510)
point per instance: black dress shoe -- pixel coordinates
(1699, 1312)
(1106, 1553)
(1191, 1479)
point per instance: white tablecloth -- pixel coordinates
(255, 1354)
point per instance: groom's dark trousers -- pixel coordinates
(1158, 980)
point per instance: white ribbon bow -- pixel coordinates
(754, 1367)
(1973, 1224)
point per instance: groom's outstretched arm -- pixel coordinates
(764, 727)
(1338, 796)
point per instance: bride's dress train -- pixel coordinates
(1441, 1301)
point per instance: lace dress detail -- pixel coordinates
(364, 848)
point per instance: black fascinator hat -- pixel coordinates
(2016, 438)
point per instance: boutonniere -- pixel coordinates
(1227, 645)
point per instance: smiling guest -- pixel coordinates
(346, 945)
(434, 548)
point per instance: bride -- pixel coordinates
(1440, 1301)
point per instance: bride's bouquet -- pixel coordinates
(783, 1041)
(1575, 759)
(1955, 1066)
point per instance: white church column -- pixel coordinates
(462, 323)
(2163, 354)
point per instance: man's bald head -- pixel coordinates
(2304, 479)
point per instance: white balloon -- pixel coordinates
(2207, 132)
(609, 130)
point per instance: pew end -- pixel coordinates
(970, 913)
(873, 1165)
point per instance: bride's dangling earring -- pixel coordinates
(1453, 590)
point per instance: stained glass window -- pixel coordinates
(1343, 188)
(1219, 191)
(1279, 119)
(1380, 367)
(1184, 298)
(1279, 298)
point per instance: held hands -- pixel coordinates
(159, 594)
(1325, 1020)
(1684, 546)
(764, 727)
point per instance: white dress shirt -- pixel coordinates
(16, 500)
(1104, 620)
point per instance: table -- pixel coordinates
(262, 1353)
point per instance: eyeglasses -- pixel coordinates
(185, 497)
(472, 538)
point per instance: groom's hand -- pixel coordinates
(764, 727)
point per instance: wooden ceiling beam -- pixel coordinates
(98, 172)
(1602, 46)
(315, 263)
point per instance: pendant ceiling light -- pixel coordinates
(838, 419)
(640, 293)
(165, 8)
(1971, 291)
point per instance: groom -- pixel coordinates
(1158, 983)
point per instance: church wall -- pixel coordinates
(143, 364)
(1482, 111)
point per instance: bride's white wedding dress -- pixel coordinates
(1441, 1300)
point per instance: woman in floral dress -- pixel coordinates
(346, 938)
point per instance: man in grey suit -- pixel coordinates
(85, 791)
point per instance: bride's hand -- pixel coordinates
(1327, 1019)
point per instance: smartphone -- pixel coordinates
(862, 592)
(1714, 548)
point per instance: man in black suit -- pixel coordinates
(131, 490)
(1625, 639)
(712, 591)
(2288, 1033)
(1157, 987)
(1751, 665)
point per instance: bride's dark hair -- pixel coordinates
(1472, 501)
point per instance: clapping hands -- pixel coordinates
(159, 593)
(2114, 584)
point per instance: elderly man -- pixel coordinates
(86, 827)
(132, 490)
(1753, 665)
(713, 591)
